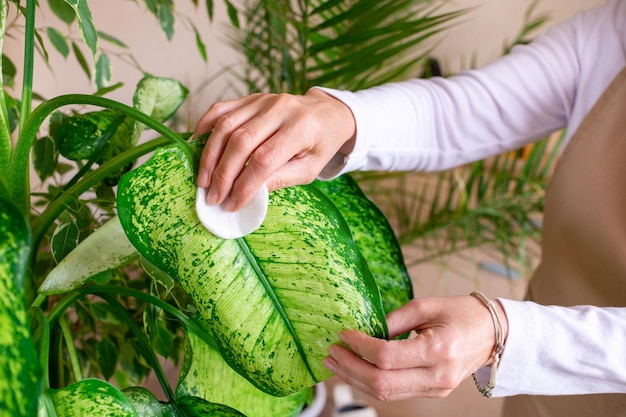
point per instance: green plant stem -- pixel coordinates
(6, 145)
(41, 224)
(29, 52)
(71, 349)
(44, 346)
(106, 292)
(67, 301)
(145, 345)
(19, 187)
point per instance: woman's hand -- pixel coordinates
(455, 337)
(280, 140)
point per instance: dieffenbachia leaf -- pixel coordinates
(144, 402)
(105, 249)
(375, 239)
(159, 97)
(274, 299)
(91, 397)
(19, 385)
(205, 374)
(197, 407)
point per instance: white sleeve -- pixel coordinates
(439, 123)
(553, 350)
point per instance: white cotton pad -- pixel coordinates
(232, 225)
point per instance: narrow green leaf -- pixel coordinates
(103, 71)
(62, 10)
(209, 8)
(277, 298)
(105, 249)
(81, 60)
(151, 5)
(166, 19)
(19, 385)
(205, 374)
(233, 14)
(45, 157)
(112, 39)
(58, 41)
(107, 357)
(64, 240)
(93, 398)
(85, 24)
(106, 90)
(200, 45)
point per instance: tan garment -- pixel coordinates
(584, 240)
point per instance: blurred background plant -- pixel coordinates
(494, 204)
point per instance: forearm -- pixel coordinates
(552, 350)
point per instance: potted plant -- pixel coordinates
(104, 272)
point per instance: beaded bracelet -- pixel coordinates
(488, 390)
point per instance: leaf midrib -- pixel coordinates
(252, 260)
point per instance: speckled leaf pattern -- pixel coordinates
(275, 299)
(144, 402)
(197, 407)
(19, 387)
(204, 374)
(91, 398)
(374, 237)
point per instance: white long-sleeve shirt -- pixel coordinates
(436, 124)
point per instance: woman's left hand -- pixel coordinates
(454, 337)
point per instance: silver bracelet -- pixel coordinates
(488, 390)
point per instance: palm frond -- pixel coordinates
(494, 203)
(292, 46)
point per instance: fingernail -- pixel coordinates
(211, 197)
(230, 204)
(332, 351)
(330, 364)
(343, 337)
(203, 178)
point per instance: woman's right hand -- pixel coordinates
(277, 139)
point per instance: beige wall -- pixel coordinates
(478, 38)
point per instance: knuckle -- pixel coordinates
(381, 388)
(264, 157)
(384, 358)
(219, 178)
(225, 123)
(243, 138)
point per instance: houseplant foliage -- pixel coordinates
(492, 204)
(92, 300)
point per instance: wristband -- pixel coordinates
(488, 389)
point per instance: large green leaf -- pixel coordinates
(105, 249)
(91, 397)
(18, 361)
(274, 299)
(374, 237)
(205, 374)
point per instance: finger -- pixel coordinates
(385, 385)
(217, 110)
(232, 114)
(391, 354)
(275, 168)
